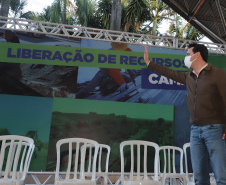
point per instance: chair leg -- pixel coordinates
(163, 181)
(184, 181)
(105, 180)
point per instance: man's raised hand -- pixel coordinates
(146, 57)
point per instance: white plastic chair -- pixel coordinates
(169, 165)
(190, 180)
(138, 176)
(15, 158)
(103, 154)
(77, 161)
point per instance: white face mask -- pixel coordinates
(188, 62)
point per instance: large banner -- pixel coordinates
(53, 88)
(115, 74)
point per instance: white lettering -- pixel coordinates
(150, 78)
(158, 79)
(164, 80)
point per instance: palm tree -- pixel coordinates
(85, 10)
(175, 25)
(60, 9)
(141, 14)
(17, 7)
(4, 8)
(190, 32)
(56, 12)
(82, 12)
(103, 12)
(116, 13)
(136, 13)
(158, 12)
(44, 16)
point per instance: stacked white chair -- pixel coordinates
(138, 176)
(103, 160)
(76, 172)
(104, 174)
(15, 157)
(169, 164)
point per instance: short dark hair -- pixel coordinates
(200, 48)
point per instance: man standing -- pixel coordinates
(206, 100)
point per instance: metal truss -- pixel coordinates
(48, 178)
(70, 31)
(113, 178)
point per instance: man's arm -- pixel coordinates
(167, 72)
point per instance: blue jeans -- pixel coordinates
(208, 148)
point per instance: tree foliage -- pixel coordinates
(136, 13)
(84, 11)
(176, 29)
(138, 16)
(104, 13)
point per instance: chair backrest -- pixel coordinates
(103, 154)
(103, 148)
(76, 150)
(15, 156)
(185, 147)
(170, 154)
(141, 149)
